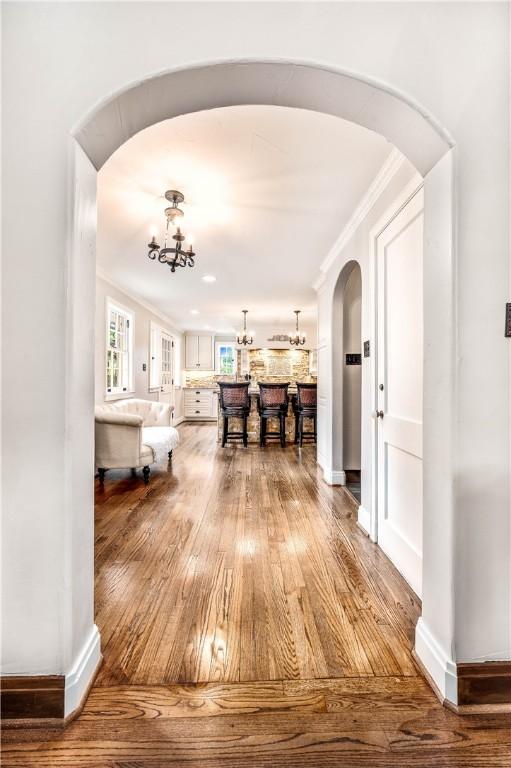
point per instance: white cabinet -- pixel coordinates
(199, 353)
(200, 403)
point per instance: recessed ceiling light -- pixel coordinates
(209, 278)
(194, 311)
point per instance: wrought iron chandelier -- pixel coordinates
(243, 337)
(296, 338)
(174, 256)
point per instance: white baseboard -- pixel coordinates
(178, 421)
(334, 476)
(364, 519)
(438, 665)
(79, 678)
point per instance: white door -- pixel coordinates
(166, 362)
(399, 390)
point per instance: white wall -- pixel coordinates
(352, 374)
(452, 58)
(143, 319)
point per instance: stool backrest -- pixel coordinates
(306, 395)
(234, 394)
(273, 395)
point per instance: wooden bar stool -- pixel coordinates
(234, 402)
(305, 407)
(272, 403)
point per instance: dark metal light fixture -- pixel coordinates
(243, 337)
(174, 256)
(296, 338)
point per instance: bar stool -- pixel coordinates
(272, 403)
(234, 401)
(305, 406)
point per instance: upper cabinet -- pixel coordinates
(199, 352)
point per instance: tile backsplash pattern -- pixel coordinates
(271, 365)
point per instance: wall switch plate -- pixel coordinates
(144, 366)
(354, 359)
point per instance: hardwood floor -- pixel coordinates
(242, 566)
(247, 621)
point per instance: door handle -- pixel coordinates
(379, 414)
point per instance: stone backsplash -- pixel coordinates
(271, 365)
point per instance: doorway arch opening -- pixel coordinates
(311, 86)
(347, 375)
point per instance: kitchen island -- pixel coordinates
(253, 419)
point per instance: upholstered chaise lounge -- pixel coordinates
(133, 433)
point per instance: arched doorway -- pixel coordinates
(347, 374)
(352, 381)
(160, 97)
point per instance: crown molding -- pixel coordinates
(378, 185)
(150, 307)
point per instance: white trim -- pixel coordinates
(440, 667)
(119, 395)
(334, 476)
(147, 305)
(386, 173)
(179, 421)
(82, 672)
(364, 519)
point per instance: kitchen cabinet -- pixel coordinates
(199, 352)
(200, 404)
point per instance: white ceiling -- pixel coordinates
(268, 190)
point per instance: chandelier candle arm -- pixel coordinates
(175, 256)
(244, 338)
(296, 338)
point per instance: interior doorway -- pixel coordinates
(102, 132)
(352, 380)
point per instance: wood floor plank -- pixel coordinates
(246, 620)
(290, 549)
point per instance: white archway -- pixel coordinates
(303, 85)
(163, 96)
(338, 476)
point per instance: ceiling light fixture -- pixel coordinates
(194, 311)
(243, 337)
(174, 256)
(209, 278)
(296, 338)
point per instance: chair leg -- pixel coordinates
(101, 473)
(283, 430)
(170, 455)
(296, 428)
(145, 472)
(133, 472)
(315, 430)
(300, 430)
(245, 431)
(262, 431)
(225, 431)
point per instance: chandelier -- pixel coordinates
(243, 337)
(173, 255)
(296, 338)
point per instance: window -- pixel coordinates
(161, 365)
(119, 349)
(226, 358)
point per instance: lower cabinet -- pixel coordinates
(200, 404)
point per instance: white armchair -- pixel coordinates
(132, 434)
